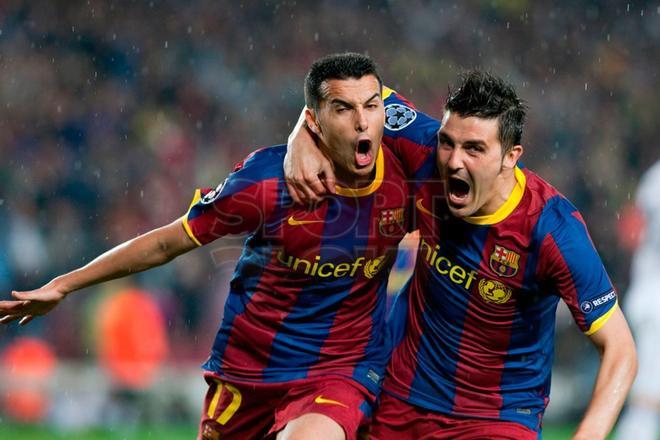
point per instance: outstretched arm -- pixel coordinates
(144, 252)
(618, 366)
(309, 174)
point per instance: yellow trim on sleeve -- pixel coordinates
(507, 207)
(597, 324)
(387, 92)
(196, 198)
(373, 186)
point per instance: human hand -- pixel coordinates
(308, 172)
(27, 305)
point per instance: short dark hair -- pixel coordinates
(336, 66)
(484, 95)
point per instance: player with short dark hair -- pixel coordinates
(499, 247)
(335, 66)
(300, 351)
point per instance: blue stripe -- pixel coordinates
(371, 371)
(526, 377)
(444, 316)
(256, 255)
(586, 269)
(297, 345)
(263, 165)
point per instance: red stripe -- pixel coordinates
(487, 327)
(553, 266)
(253, 331)
(354, 319)
(403, 365)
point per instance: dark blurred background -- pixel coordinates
(113, 112)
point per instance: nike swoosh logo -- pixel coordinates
(322, 400)
(293, 222)
(421, 207)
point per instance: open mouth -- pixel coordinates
(459, 189)
(363, 153)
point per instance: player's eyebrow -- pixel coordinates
(338, 101)
(474, 143)
(445, 138)
(375, 96)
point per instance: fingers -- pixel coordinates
(8, 318)
(329, 178)
(25, 320)
(314, 189)
(309, 197)
(305, 190)
(24, 295)
(12, 306)
(294, 193)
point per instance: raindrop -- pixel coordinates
(585, 87)
(190, 29)
(316, 35)
(628, 7)
(166, 44)
(641, 13)
(2, 202)
(608, 37)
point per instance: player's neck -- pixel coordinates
(350, 180)
(504, 185)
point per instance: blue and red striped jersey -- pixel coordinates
(309, 291)
(473, 329)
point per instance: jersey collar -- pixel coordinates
(508, 206)
(372, 187)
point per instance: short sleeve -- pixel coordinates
(409, 133)
(241, 204)
(569, 263)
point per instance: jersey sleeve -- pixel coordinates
(411, 134)
(570, 264)
(240, 204)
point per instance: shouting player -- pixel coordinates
(499, 247)
(299, 353)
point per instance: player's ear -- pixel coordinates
(312, 121)
(511, 157)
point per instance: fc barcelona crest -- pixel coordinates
(391, 221)
(504, 262)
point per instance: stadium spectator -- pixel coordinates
(499, 247)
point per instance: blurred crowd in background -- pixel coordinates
(113, 112)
